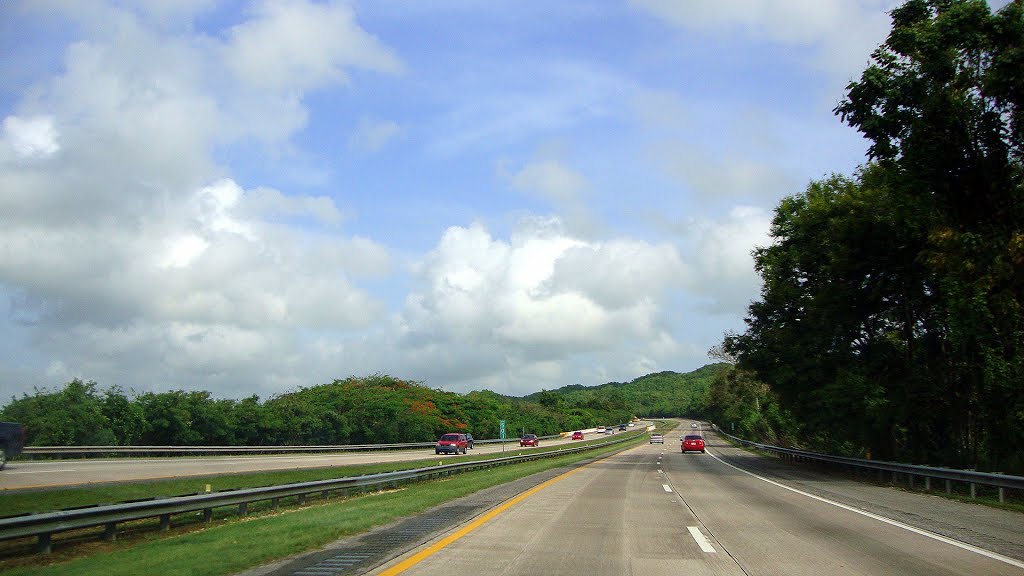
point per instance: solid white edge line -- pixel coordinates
(667, 487)
(890, 521)
(701, 540)
(9, 472)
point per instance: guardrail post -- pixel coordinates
(243, 508)
(949, 487)
(43, 545)
(1002, 495)
(165, 522)
(302, 499)
(910, 481)
(927, 483)
(207, 514)
(275, 503)
(974, 490)
(325, 494)
(110, 532)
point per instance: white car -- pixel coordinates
(657, 439)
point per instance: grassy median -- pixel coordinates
(230, 544)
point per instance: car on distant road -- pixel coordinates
(600, 429)
(529, 440)
(451, 443)
(469, 441)
(577, 435)
(693, 443)
(657, 438)
(12, 440)
(622, 427)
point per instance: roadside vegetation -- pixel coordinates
(357, 410)
(891, 319)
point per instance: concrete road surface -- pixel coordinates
(653, 511)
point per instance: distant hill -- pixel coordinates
(657, 394)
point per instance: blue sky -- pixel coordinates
(250, 197)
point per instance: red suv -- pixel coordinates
(693, 442)
(451, 443)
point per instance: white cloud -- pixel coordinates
(371, 135)
(32, 137)
(721, 260)
(842, 32)
(526, 294)
(131, 258)
(727, 176)
(551, 180)
(565, 189)
(293, 45)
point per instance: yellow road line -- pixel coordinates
(440, 545)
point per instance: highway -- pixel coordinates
(21, 474)
(652, 511)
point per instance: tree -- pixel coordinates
(942, 106)
(891, 315)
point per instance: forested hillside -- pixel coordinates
(891, 320)
(659, 394)
(374, 409)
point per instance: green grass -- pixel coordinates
(231, 544)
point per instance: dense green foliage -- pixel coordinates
(890, 319)
(371, 410)
(656, 395)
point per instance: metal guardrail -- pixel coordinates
(44, 525)
(179, 450)
(911, 471)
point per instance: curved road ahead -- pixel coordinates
(652, 511)
(56, 473)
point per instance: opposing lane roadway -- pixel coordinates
(48, 474)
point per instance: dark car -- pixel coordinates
(12, 440)
(693, 443)
(469, 441)
(529, 440)
(451, 443)
(622, 427)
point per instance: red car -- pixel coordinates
(577, 435)
(451, 443)
(529, 440)
(693, 442)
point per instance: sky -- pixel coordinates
(254, 197)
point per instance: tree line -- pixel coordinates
(375, 409)
(890, 322)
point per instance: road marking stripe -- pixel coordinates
(443, 543)
(9, 472)
(701, 540)
(666, 487)
(890, 521)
